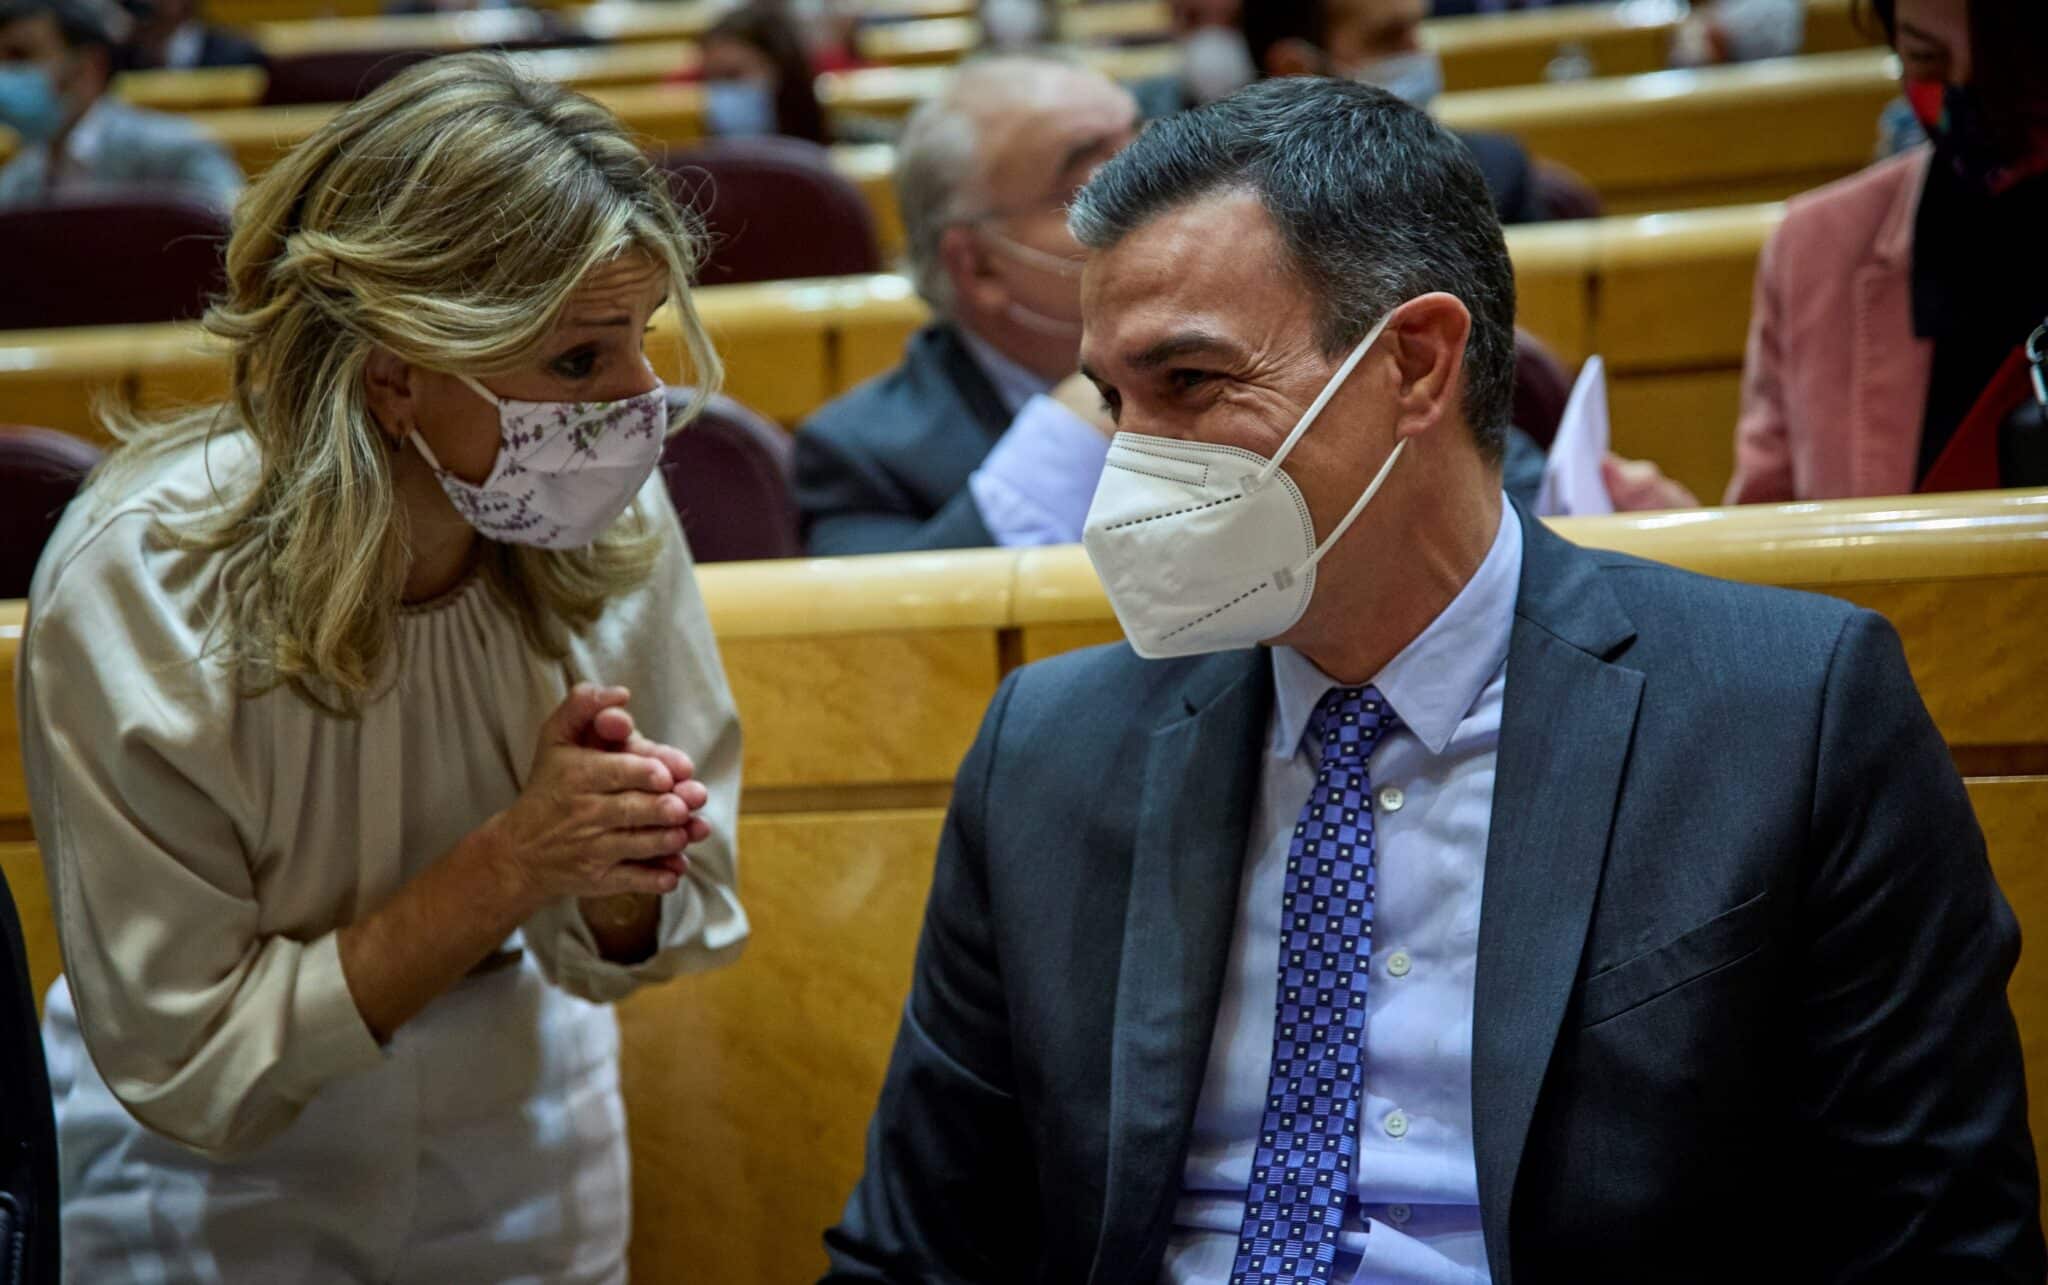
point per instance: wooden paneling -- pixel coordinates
(13, 786)
(863, 709)
(1674, 289)
(1712, 137)
(23, 865)
(1685, 421)
(1518, 48)
(748, 1089)
(2014, 814)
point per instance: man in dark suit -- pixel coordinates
(983, 435)
(175, 34)
(1518, 913)
(1375, 41)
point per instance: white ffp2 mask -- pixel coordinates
(565, 470)
(1204, 548)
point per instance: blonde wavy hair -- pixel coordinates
(446, 218)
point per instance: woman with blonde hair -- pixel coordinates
(375, 734)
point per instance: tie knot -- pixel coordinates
(1349, 721)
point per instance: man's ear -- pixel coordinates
(1295, 57)
(966, 264)
(1427, 339)
(387, 388)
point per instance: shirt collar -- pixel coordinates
(1439, 675)
(1014, 384)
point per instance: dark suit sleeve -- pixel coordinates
(1911, 1079)
(949, 1193)
(851, 505)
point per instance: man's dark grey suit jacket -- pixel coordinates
(1740, 1008)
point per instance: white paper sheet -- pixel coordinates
(1572, 485)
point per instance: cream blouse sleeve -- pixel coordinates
(658, 642)
(209, 1029)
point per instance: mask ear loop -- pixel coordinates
(480, 390)
(1315, 409)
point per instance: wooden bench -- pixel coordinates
(1664, 298)
(861, 682)
(788, 348)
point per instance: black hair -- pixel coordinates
(766, 27)
(1271, 22)
(1375, 202)
(83, 24)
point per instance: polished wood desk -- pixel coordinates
(1678, 139)
(861, 682)
(788, 347)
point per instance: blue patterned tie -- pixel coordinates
(1301, 1170)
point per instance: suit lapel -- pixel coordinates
(1200, 777)
(1565, 734)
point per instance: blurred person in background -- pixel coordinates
(985, 434)
(758, 77)
(175, 34)
(56, 61)
(1887, 347)
(1377, 42)
(1721, 31)
(1215, 61)
(373, 725)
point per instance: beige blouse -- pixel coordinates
(203, 847)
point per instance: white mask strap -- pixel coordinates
(420, 444)
(480, 390)
(1322, 399)
(1356, 509)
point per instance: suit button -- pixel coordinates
(1396, 1124)
(1398, 964)
(1391, 799)
(1399, 1215)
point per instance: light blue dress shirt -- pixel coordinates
(1037, 482)
(1414, 1215)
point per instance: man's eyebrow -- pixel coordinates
(1185, 344)
(1908, 29)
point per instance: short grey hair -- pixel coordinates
(1375, 202)
(939, 161)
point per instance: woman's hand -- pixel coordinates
(596, 821)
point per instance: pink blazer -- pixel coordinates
(1834, 387)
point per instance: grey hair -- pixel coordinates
(939, 161)
(1375, 202)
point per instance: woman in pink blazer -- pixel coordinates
(1890, 305)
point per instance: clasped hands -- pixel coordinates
(605, 812)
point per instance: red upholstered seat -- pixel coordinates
(775, 209)
(40, 470)
(728, 474)
(112, 259)
(1542, 387)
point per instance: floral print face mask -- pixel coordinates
(565, 470)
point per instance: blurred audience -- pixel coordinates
(1215, 61)
(56, 59)
(175, 33)
(1886, 349)
(962, 445)
(1719, 31)
(1378, 42)
(758, 77)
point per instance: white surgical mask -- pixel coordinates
(1044, 261)
(565, 470)
(1415, 78)
(1207, 548)
(1215, 63)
